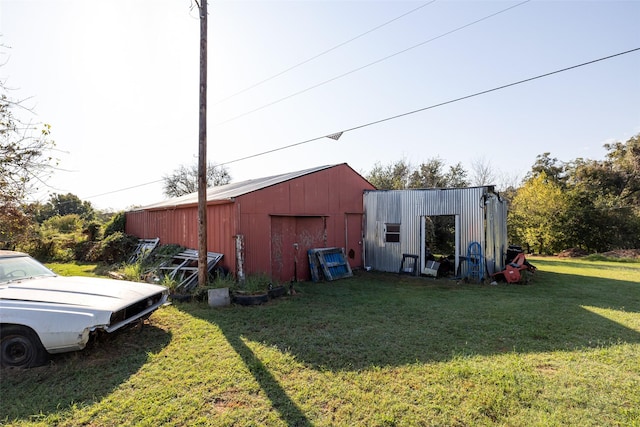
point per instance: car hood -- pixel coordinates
(106, 294)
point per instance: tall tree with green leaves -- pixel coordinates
(553, 169)
(433, 173)
(393, 176)
(606, 198)
(536, 215)
(65, 204)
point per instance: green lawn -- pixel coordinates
(374, 350)
(75, 269)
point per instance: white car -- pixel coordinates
(42, 313)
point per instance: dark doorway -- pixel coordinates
(440, 237)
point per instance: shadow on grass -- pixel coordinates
(386, 320)
(288, 410)
(70, 378)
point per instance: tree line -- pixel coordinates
(589, 204)
(592, 205)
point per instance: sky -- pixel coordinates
(118, 81)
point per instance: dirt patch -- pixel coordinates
(573, 253)
(623, 253)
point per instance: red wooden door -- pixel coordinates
(353, 244)
(291, 238)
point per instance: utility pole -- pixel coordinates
(202, 152)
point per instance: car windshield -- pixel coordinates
(20, 267)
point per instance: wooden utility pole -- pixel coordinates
(202, 152)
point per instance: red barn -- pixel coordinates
(277, 218)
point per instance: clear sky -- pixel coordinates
(118, 82)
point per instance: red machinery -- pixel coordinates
(512, 272)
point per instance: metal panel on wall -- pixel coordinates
(408, 207)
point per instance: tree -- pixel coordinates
(456, 177)
(589, 204)
(15, 226)
(24, 157)
(482, 172)
(584, 225)
(553, 169)
(65, 204)
(606, 198)
(537, 213)
(24, 161)
(184, 180)
(624, 159)
(430, 174)
(394, 176)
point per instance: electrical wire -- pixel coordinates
(300, 92)
(322, 53)
(336, 135)
(484, 92)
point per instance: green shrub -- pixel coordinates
(63, 254)
(40, 249)
(115, 224)
(223, 281)
(67, 224)
(51, 245)
(93, 231)
(169, 283)
(254, 283)
(133, 272)
(115, 248)
(87, 251)
(161, 254)
(56, 239)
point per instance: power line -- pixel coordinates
(337, 135)
(323, 53)
(124, 189)
(494, 89)
(300, 92)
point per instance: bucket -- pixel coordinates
(219, 297)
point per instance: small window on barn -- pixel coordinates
(392, 234)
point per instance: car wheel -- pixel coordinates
(20, 347)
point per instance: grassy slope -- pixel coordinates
(373, 350)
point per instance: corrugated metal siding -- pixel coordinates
(180, 226)
(331, 193)
(407, 207)
(497, 240)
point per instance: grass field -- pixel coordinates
(375, 350)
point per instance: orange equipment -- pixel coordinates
(512, 272)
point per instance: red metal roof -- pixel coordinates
(226, 193)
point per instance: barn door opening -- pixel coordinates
(440, 238)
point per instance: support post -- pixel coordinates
(202, 152)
